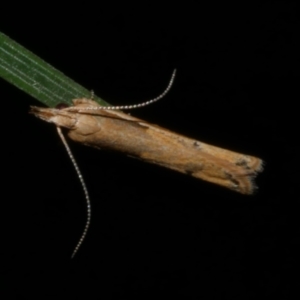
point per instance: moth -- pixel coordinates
(109, 128)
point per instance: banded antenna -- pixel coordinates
(132, 106)
(85, 190)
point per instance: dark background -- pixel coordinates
(155, 232)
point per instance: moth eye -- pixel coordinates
(61, 106)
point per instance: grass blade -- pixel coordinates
(34, 76)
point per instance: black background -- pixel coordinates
(155, 232)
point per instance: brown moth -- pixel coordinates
(107, 127)
(115, 130)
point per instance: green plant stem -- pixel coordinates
(34, 76)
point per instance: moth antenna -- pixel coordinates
(85, 190)
(124, 107)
